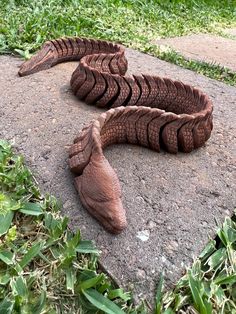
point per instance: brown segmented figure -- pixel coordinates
(147, 110)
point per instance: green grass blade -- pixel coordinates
(208, 250)
(6, 306)
(70, 278)
(32, 252)
(33, 209)
(7, 257)
(198, 301)
(217, 258)
(6, 220)
(19, 286)
(119, 293)
(231, 279)
(40, 304)
(158, 300)
(102, 303)
(5, 279)
(84, 285)
(86, 246)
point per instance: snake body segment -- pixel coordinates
(147, 110)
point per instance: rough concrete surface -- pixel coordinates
(230, 31)
(204, 47)
(172, 201)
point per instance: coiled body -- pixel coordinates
(147, 110)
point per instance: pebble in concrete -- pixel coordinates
(204, 47)
(172, 201)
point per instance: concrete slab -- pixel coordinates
(204, 47)
(230, 31)
(173, 201)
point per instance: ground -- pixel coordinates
(174, 201)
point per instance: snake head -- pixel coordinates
(100, 194)
(42, 60)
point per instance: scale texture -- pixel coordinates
(147, 110)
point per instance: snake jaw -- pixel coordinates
(110, 214)
(42, 60)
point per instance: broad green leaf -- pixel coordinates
(5, 146)
(208, 250)
(4, 279)
(32, 252)
(39, 305)
(19, 286)
(7, 204)
(74, 241)
(223, 237)
(102, 303)
(55, 252)
(231, 251)
(18, 268)
(7, 257)
(196, 269)
(208, 306)
(219, 294)
(6, 306)
(57, 232)
(229, 227)
(104, 286)
(198, 301)
(217, 258)
(6, 221)
(230, 279)
(84, 285)
(87, 247)
(33, 209)
(49, 221)
(159, 295)
(44, 258)
(119, 293)
(70, 278)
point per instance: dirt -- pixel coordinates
(173, 202)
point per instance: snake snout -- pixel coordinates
(43, 60)
(114, 219)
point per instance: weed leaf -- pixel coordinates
(159, 295)
(6, 257)
(33, 209)
(32, 252)
(102, 303)
(86, 246)
(6, 306)
(6, 220)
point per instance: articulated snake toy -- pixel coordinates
(147, 110)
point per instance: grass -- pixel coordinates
(25, 25)
(210, 285)
(44, 266)
(47, 268)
